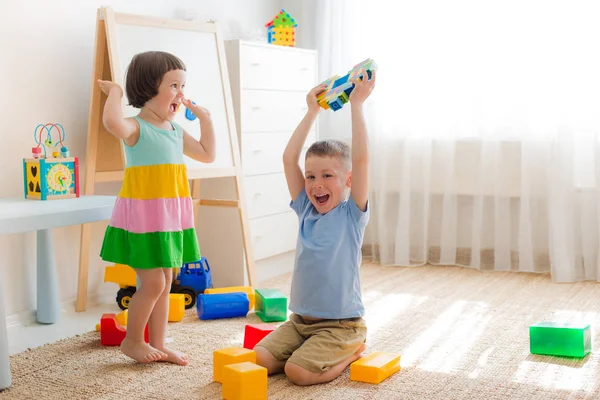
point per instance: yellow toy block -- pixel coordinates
(244, 381)
(232, 289)
(122, 317)
(375, 368)
(176, 307)
(230, 355)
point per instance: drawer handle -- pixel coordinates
(256, 151)
(255, 64)
(304, 69)
(256, 195)
(256, 108)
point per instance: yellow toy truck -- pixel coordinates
(192, 280)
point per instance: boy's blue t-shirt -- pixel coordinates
(326, 281)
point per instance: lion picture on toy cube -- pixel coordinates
(51, 178)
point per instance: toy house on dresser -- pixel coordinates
(281, 30)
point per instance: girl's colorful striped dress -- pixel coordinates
(152, 224)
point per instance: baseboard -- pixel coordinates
(28, 317)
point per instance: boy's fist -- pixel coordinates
(311, 98)
(362, 88)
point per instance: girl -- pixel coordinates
(152, 225)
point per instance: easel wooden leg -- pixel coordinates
(84, 263)
(246, 239)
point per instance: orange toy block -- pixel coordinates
(234, 289)
(176, 307)
(375, 368)
(230, 355)
(112, 333)
(244, 381)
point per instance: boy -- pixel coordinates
(326, 331)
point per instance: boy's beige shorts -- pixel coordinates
(315, 345)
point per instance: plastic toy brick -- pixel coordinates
(232, 289)
(339, 88)
(254, 333)
(244, 381)
(112, 333)
(281, 30)
(121, 317)
(176, 307)
(375, 368)
(560, 339)
(271, 305)
(222, 305)
(230, 355)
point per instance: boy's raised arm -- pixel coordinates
(360, 141)
(291, 155)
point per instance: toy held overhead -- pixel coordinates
(339, 88)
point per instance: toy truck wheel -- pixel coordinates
(190, 298)
(124, 297)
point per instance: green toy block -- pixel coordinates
(560, 339)
(270, 305)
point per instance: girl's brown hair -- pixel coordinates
(145, 73)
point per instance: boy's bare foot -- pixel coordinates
(174, 356)
(141, 352)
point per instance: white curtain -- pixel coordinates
(484, 129)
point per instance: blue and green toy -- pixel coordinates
(339, 88)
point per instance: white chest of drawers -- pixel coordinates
(269, 85)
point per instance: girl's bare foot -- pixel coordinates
(174, 356)
(141, 352)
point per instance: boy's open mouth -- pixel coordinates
(321, 198)
(175, 107)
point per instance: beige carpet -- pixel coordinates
(462, 335)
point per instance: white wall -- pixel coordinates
(46, 49)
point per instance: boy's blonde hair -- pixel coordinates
(331, 148)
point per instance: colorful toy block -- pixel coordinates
(112, 333)
(230, 355)
(244, 381)
(560, 339)
(222, 305)
(271, 305)
(50, 176)
(375, 368)
(281, 30)
(176, 307)
(232, 289)
(339, 88)
(254, 333)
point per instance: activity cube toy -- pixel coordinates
(375, 368)
(48, 178)
(339, 88)
(560, 339)
(112, 333)
(244, 381)
(271, 305)
(222, 305)
(230, 355)
(231, 289)
(176, 307)
(281, 30)
(254, 333)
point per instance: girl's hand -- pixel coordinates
(362, 88)
(107, 86)
(311, 98)
(200, 112)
